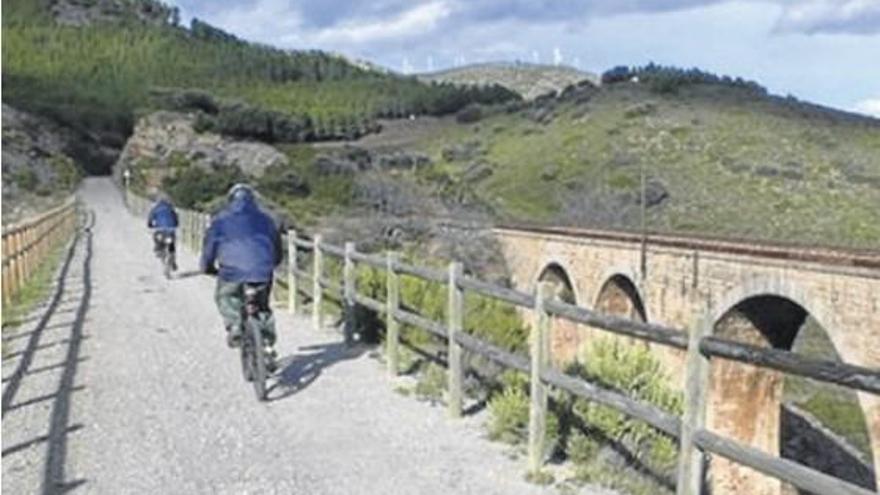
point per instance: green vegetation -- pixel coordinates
(661, 79)
(26, 178)
(836, 407)
(98, 76)
(633, 370)
(509, 412)
(32, 293)
(841, 413)
(431, 384)
(605, 446)
(193, 188)
(486, 318)
(722, 160)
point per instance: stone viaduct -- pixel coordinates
(760, 294)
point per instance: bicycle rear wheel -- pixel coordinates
(260, 374)
(166, 263)
(247, 358)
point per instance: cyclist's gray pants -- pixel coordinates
(229, 297)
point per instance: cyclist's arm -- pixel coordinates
(279, 254)
(209, 251)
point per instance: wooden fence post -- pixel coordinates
(7, 275)
(348, 288)
(197, 232)
(455, 324)
(206, 223)
(690, 457)
(19, 259)
(192, 230)
(317, 292)
(184, 230)
(538, 393)
(28, 252)
(392, 302)
(291, 271)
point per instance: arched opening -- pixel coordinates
(620, 297)
(565, 337)
(820, 425)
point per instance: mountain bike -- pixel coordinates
(164, 245)
(257, 321)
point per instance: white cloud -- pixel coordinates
(871, 107)
(831, 16)
(416, 21)
(250, 21)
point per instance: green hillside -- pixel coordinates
(98, 76)
(719, 158)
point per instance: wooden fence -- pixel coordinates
(694, 439)
(26, 244)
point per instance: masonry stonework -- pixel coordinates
(680, 286)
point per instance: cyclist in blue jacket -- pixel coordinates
(163, 220)
(242, 246)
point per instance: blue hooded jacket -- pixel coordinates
(244, 241)
(162, 216)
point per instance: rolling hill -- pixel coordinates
(99, 73)
(528, 80)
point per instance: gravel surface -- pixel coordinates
(122, 383)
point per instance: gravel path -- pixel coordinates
(122, 383)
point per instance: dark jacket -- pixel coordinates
(162, 216)
(244, 242)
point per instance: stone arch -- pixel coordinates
(620, 296)
(558, 275)
(565, 336)
(745, 402)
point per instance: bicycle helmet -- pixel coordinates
(240, 191)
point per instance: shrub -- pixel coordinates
(67, 174)
(469, 114)
(26, 179)
(486, 318)
(509, 413)
(668, 79)
(192, 186)
(621, 73)
(633, 370)
(432, 382)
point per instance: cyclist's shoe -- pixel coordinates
(271, 358)
(233, 340)
(173, 264)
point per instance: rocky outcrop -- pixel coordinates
(36, 163)
(164, 140)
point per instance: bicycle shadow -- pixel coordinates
(298, 371)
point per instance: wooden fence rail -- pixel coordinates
(695, 441)
(26, 244)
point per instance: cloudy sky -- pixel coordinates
(826, 51)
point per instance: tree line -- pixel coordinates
(669, 79)
(100, 76)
